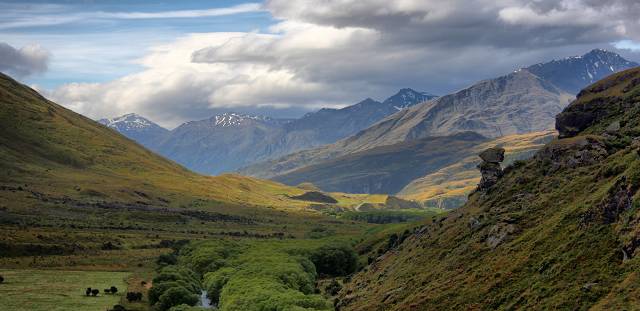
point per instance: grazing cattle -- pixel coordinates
(95, 292)
(88, 291)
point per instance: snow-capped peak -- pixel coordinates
(407, 97)
(234, 119)
(130, 120)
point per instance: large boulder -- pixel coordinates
(493, 155)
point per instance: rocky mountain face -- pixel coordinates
(137, 128)
(524, 101)
(574, 73)
(229, 141)
(558, 231)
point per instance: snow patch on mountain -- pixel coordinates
(406, 98)
(127, 122)
(235, 119)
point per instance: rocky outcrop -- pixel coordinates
(591, 107)
(490, 167)
(619, 198)
(572, 153)
(499, 233)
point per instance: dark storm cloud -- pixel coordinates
(24, 61)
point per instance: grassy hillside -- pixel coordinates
(559, 231)
(449, 186)
(49, 153)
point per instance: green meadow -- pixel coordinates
(53, 290)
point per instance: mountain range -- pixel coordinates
(226, 142)
(559, 231)
(517, 103)
(354, 148)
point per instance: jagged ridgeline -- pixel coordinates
(558, 231)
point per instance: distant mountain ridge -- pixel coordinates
(574, 73)
(136, 127)
(517, 103)
(228, 141)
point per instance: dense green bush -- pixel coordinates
(257, 275)
(205, 257)
(335, 260)
(175, 296)
(167, 259)
(158, 289)
(171, 282)
(389, 216)
(265, 294)
(215, 281)
(261, 275)
(185, 307)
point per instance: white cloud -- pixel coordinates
(628, 45)
(335, 52)
(29, 59)
(13, 17)
(241, 8)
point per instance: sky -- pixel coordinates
(175, 61)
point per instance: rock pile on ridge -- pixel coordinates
(490, 167)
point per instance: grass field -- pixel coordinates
(34, 290)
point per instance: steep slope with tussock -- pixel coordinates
(559, 231)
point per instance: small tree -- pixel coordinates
(113, 289)
(95, 292)
(131, 296)
(118, 308)
(1, 279)
(134, 296)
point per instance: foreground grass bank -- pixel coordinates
(50, 290)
